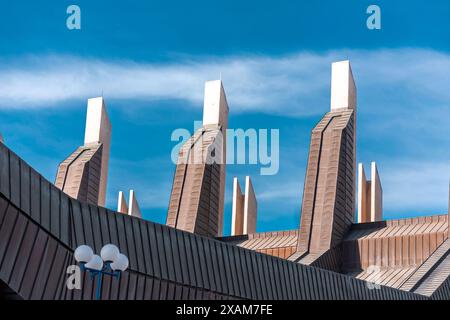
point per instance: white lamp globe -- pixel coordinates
(96, 263)
(121, 264)
(109, 253)
(83, 253)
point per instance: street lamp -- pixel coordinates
(110, 262)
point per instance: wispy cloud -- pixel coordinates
(295, 84)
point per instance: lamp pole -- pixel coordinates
(110, 262)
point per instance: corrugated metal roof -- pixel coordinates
(391, 277)
(401, 227)
(278, 243)
(40, 227)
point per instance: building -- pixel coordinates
(197, 198)
(83, 175)
(335, 253)
(406, 254)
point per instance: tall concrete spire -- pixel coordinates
(343, 89)
(98, 130)
(328, 204)
(197, 198)
(83, 175)
(215, 113)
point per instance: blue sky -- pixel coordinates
(151, 58)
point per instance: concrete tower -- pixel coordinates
(370, 195)
(244, 210)
(328, 205)
(133, 209)
(197, 198)
(98, 131)
(83, 175)
(122, 203)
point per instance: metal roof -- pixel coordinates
(40, 227)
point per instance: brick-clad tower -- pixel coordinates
(197, 198)
(328, 206)
(83, 175)
(79, 175)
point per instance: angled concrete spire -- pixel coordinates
(370, 195)
(98, 130)
(122, 204)
(363, 211)
(376, 195)
(215, 112)
(244, 211)
(237, 211)
(197, 197)
(250, 207)
(329, 193)
(363, 191)
(83, 175)
(343, 89)
(134, 209)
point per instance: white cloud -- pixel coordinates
(296, 84)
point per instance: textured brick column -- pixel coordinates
(328, 205)
(196, 201)
(83, 175)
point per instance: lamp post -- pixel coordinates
(110, 262)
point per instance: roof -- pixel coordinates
(394, 243)
(401, 227)
(419, 261)
(278, 243)
(392, 277)
(40, 227)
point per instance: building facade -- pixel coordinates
(341, 250)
